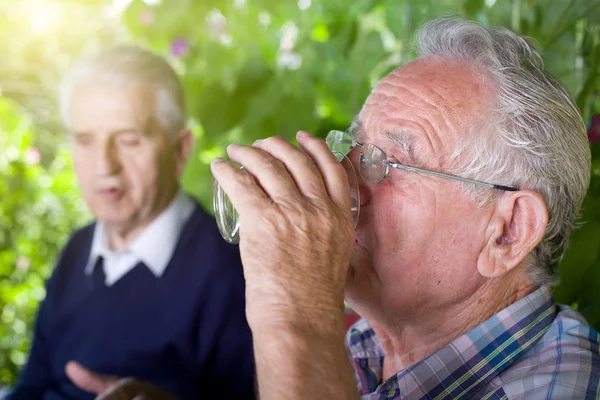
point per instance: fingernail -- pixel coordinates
(232, 146)
(257, 142)
(217, 161)
(302, 134)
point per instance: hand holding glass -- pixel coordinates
(228, 219)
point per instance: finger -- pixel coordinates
(299, 165)
(332, 171)
(270, 173)
(123, 389)
(242, 190)
(88, 380)
(130, 388)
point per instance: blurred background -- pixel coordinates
(251, 69)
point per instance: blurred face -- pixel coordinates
(418, 237)
(125, 163)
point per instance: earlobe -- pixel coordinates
(517, 225)
(185, 145)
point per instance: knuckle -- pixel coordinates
(277, 139)
(245, 180)
(273, 166)
(273, 141)
(243, 183)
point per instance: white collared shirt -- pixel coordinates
(154, 247)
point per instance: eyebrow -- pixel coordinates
(399, 136)
(403, 138)
(115, 132)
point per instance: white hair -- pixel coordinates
(125, 66)
(536, 138)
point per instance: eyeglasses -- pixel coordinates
(374, 165)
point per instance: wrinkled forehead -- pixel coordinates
(429, 96)
(104, 107)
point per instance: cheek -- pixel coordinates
(400, 212)
(141, 174)
(84, 173)
(81, 163)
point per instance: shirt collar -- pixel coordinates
(156, 244)
(466, 364)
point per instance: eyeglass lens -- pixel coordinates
(373, 163)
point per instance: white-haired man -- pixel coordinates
(150, 289)
(451, 277)
(473, 165)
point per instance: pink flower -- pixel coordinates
(146, 17)
(179, 47)
(594, 129)
(32, 156)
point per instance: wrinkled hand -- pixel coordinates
(111, 387)
(296, 234)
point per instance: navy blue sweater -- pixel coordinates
(185, 332)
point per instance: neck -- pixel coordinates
(406, 344)
(122, 236)
(119, 238)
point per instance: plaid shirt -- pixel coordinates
(532, 349)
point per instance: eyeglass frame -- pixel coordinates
(354, 144)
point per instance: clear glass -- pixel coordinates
(228, 219)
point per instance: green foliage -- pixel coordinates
(251, 69)
(40, 206)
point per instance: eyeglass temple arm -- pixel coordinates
(354, 143)
(456, 178)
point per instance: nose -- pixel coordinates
(107, 160)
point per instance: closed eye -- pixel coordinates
(83, 139)
(130, 139)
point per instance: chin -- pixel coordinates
(116, 218)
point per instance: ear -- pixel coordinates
(517, 225)
(184, 146)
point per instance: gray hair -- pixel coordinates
(536, 138)
(125, 66)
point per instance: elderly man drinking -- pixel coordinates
(149, 290)
(452, 278)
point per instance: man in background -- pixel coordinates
(150, 289)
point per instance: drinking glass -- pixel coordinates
(228, 219)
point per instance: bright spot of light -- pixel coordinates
(120, 5)
(44, 18)
(288, 36)
(289, 60)
(264, 19)
(303, 4)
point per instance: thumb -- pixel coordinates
(88, 380)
